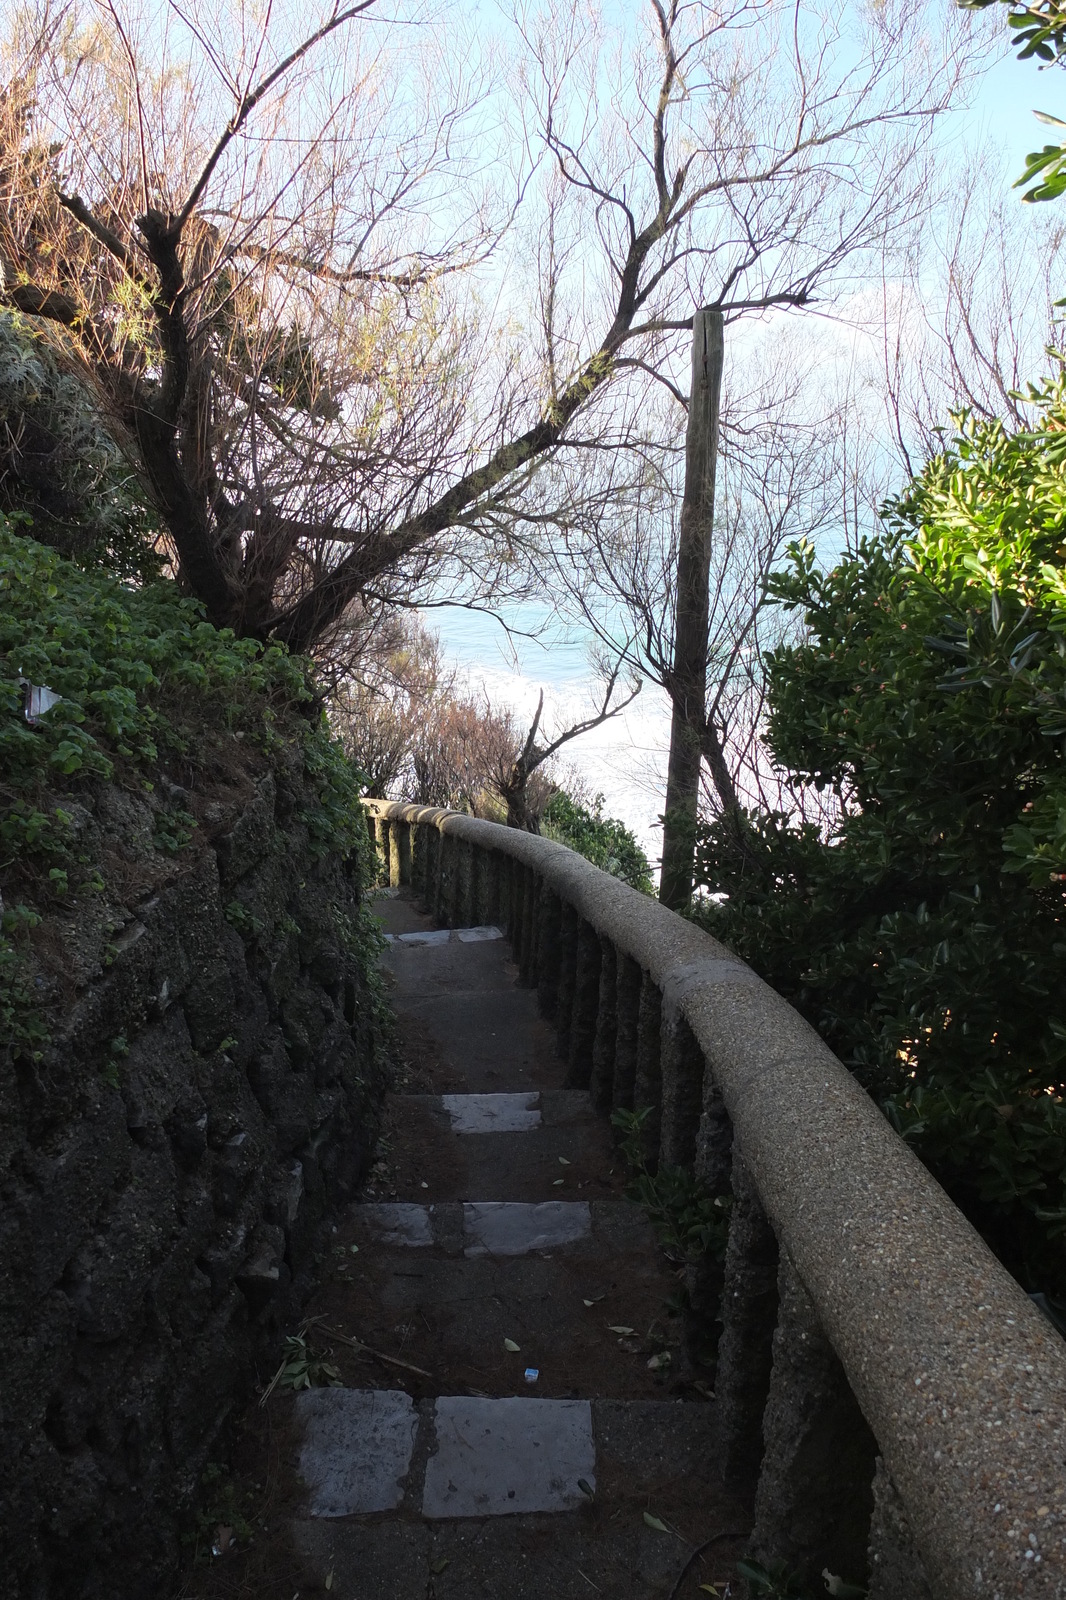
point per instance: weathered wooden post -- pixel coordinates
(688, 685)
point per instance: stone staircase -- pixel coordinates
(519, 1418)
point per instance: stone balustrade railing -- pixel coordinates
(882, 1381)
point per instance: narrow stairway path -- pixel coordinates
(519, 1402)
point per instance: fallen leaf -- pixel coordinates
(438, 1566)
(586, 1488)
(709, 1588)
(354, 1248)
(557, 1182)
(563, 1161)
(654, 1522)
(329, 1579)
(617, 1327)
(596, 1299)
(657, 1363)
(509, 1344)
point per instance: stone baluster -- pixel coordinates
(628, 983)
(538, 951)
(518, 896)
(585, 1005)
(463, 910)
(444, 907)
(564, 993)
(420, 843)
(525, 955)
(748, 1315)
(381, 844)
(681, 1073)
(601, 1082)
(712, 1162)
(814, 1499)
(647, 1079)
(399, 853)
(548, 953)
(509, 898)
(431, 872)
(487, 888)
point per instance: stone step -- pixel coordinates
(481, 1457)
(526, 1437)
(438, 936)
(486, 1039)
(456, 995)
(537, 1145)
(490, 1113)
(513, 1499)
(447, 1306)
(508, 1227)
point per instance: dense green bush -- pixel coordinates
(924, 934)
(146, 687)
(604, 841)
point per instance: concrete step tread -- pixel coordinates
(537, 1406)
(530, 1146)
(507, 1227)
(372, 1450)
(646, 1457)
(457, 1320)
(510, 1112)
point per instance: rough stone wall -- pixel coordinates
(167, 1171)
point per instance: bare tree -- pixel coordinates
(514, 775)
(273, 311)
(418, 733)
(969, 323)
(260, 306)
(782, 453)
(384, 707)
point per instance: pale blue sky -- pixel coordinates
(625, 758)
(1009, 94)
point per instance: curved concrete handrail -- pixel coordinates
(961, 1379)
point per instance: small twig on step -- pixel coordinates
(694, 1557)
(378, 1355)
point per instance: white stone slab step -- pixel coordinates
(486, 1457)
(493, 1113)
(489, 1227)
(367, 1452)
(357, 1448)
(431, 936)
(510, 1228)
(498, 1458)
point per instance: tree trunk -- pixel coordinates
(688, 679)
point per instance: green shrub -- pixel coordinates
(924, 935)
(143, 681)
(689, 1221)
(604, 841)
